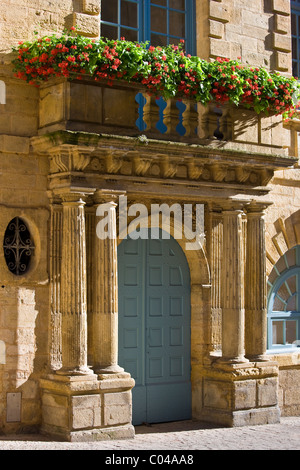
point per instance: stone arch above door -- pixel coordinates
(197, 259)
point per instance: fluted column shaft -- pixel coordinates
(233, 321)
(255, 284)
(105, 284)
(216, 245)
(55, 279)
(73, 287)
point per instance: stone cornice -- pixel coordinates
(130, 161)
(142, 144)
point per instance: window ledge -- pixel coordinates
(284, 350)
(285, 357)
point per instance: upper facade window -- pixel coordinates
(161, 22)
(295, 17)
(284, 302)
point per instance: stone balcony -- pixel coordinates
(121, 135)
(125, 109)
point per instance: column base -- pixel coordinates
(259, 358)
(240, 394)
(114, 369)
(82, 408)
(232, 360)
(253, 417)
(83, 372)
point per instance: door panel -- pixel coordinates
(154, 327)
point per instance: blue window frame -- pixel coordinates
(295, 19)
(284, 303)
(161, 22)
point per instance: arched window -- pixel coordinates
(161, 22)
(284, 302)
(18, 246)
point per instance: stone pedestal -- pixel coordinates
(80, 408)
(241, 394)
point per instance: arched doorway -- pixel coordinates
(154, 327)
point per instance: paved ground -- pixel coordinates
(180, 436)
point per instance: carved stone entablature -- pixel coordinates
(99, 157)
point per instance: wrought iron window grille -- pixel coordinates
(18, 246)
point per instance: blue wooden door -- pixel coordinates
(154, 328)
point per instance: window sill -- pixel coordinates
(284, 350)
(285, 357)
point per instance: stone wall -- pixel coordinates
(20, 19)
(257, 31)
(282, 234)
(24, 301)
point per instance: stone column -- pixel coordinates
(55, 278)
(255, 284)
(105, 284)
(237, 392)
(73, 287)
(233, 321)
(216, 256)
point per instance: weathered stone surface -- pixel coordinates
(117, 408)
(245, 394)
(95, 143)
(91, 7)
(86, 25)
(86, 411)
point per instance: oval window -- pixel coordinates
(18, 246)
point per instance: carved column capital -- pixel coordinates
(105, 195)
(234, 206)
(257, 208)
(71, 195)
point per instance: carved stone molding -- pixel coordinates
(92, 158)
(69, 158)
(173, 167)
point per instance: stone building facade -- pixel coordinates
(68, 321)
